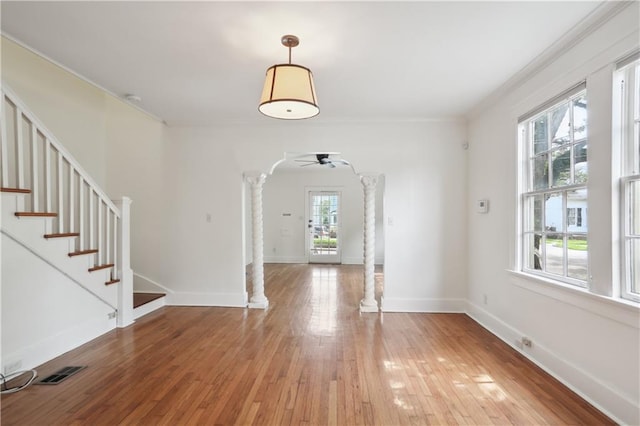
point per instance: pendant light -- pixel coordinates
(288, 91)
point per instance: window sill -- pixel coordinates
(620, 310)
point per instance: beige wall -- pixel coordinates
(72, 109)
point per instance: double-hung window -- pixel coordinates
(553, 196)
(628, 79)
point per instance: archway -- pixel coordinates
(292, 161)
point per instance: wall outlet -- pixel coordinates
(527, 342)
(13, 367)
(112, 315)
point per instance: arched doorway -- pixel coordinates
(282, 221)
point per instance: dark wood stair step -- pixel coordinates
(82, 252)
(36, 214)
(16, 190)
(140, 299)
(62, 235)
(112, 281)
(99, 267)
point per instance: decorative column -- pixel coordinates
(258, 299)
(123, 264)
(369, 303)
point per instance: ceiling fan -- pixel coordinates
(323, 160)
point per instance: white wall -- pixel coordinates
(285, 191)
(424, 195)
(590, 343)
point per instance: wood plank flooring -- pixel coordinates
(311, 359)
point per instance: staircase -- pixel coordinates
(52, 207)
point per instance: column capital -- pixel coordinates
(369, 180)
(255, 178)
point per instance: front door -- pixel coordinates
(323, 227)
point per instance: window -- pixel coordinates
(554, 177)
(628, 78)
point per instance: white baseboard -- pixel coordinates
(423, 305)
(596, 392)
(53, 346)
(231, 300)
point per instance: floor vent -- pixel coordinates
(60, 375)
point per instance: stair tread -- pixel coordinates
(99, 267)
(36, 214)
(62, 235)
(16, 190)
(82, 252)
(140, 299)
(112, 281)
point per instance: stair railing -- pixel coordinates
(33, 159)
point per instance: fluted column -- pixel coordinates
(369, 303)
(258, 299)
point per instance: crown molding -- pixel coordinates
(592, 22)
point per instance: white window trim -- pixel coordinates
(626, 225)
(624, 107)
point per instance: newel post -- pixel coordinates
(123, 264)
(258, 299)
(369, 303)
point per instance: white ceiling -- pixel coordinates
(202, 63)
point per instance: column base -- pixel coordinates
(262, 304)
(368, 306)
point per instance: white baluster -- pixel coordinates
(116, 261)
(81, 209)
(92, 231)
(19, 147)
(60, 195)
(35, 193)
(72, 207)
(4, 142)
(47, 174)
(107, 236)
(99, 230)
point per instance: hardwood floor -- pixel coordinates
(311, 358)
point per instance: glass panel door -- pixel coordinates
(324, 227)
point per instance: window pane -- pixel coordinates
(580, 171)
(541, 172)
(634, 207)
(634, 259)
(533, 213)
(554, 252)
(553, 212)
(561, 166)
(580, 118)
(532, 251)
(577, 256)
(540, 134)
(560, 125)
(577, 208)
